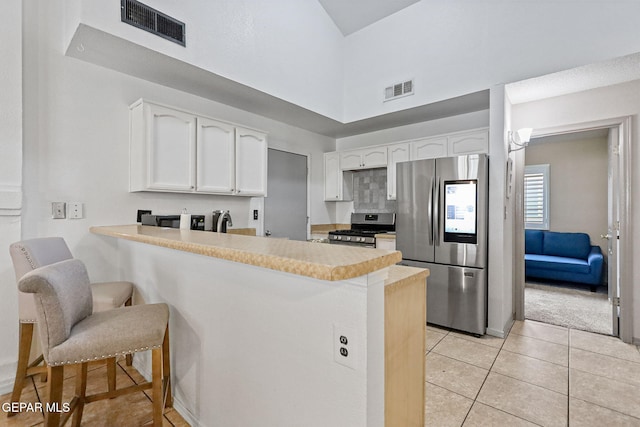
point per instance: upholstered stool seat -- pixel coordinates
(110, 333)
(30, 254)
(71, 335)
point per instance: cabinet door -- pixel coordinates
(171, 149)
(470, 143)
(332, 177)
(350, 160)
(396, 153)
(215, 154)
(374, 157)
(429, 148)
(251, 163)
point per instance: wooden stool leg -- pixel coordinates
(24, 349)
(111, 373)
(166, 371)
(81, 392)
(54, 388)
(156, 378)
(129, 357)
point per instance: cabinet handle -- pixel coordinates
(238, 191)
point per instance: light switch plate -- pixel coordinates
(75, 210)
(58, 210)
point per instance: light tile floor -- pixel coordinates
(128, 410)
(541, 375)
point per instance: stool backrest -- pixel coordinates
(30, 254)
(62, 296)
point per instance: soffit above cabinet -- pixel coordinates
(101, 48)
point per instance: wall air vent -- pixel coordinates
(142, 16)
(398, 90)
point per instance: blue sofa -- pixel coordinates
(563, 256)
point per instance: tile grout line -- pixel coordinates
(164, 415)
(475, 399)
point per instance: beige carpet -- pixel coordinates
(569, 307)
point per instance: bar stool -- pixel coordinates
(28, 255)
(71, 335)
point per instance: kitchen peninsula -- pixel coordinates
(274, 332)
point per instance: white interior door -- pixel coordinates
(285, 207)
(613, 232)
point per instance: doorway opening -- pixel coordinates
(611, 139)
(566, 199)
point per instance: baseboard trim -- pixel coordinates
(7, 377)
(504, 332)
(141, 365)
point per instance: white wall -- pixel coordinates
(577, 185)
(454, 47)
(478, 119)
(10, 182)
(598, 104)
(287, 48)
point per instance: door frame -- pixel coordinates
(308, 156)
(625, 253)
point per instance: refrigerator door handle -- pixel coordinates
(430, 211)
(436, 216)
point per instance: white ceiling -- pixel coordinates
(353, 15)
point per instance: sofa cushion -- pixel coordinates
(555, 263)
(569, 245)
(533, 241)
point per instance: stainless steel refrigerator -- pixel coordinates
(441, 224)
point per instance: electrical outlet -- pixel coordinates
(58, 210)
(255, 214)
(75, 210)
(345, 350)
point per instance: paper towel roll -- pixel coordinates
(185, 220)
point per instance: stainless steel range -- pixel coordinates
(364, 227)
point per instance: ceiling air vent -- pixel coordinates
(147, 18)
(398, 90)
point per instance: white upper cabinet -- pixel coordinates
(469, 143)
(162, 149)
(457, 144)
(395, 153)
(338, 184)
(251, 163)
(366, 158)
(215, 157)
(429, 148)
(177, 151)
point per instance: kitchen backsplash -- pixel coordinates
(370, 191)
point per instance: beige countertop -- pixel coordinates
(402, 274)
(320, 261)
(388, 236)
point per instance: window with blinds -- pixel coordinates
(536, 197)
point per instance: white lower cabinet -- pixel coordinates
(177, 151)
(385, 243)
